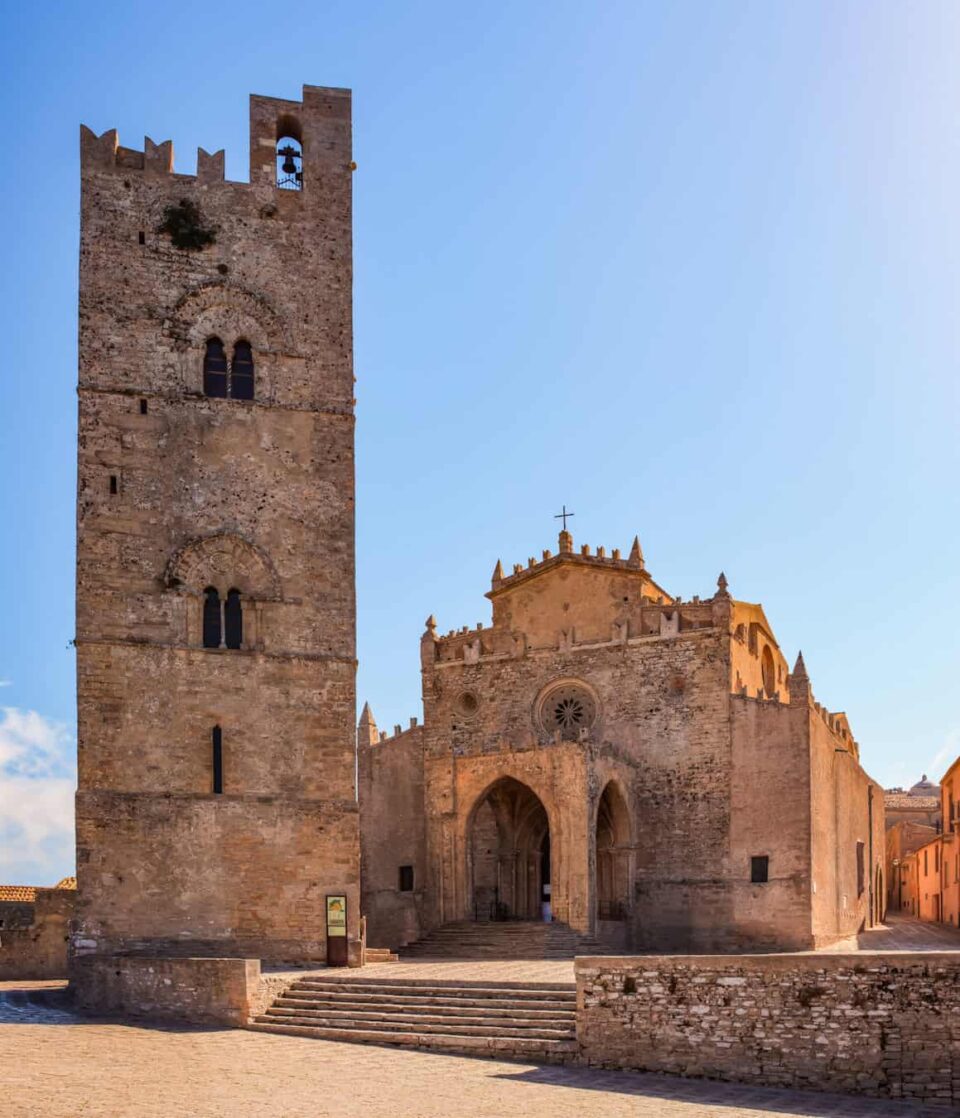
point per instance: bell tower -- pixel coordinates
(215, 544)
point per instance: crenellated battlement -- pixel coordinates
(319, 124)
(652, 622)
(566, 554)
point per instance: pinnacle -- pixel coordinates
(431, 623)
(722, 585)
(799, 668)
(498, 572)
(636, 554)
(366, 715)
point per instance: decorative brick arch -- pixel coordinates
(225, 561)
(229, 312)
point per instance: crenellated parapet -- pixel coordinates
(585, 557)
(319, 125)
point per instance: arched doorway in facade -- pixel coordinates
(508, 854)
(614, 848)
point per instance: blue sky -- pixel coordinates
(691, 268)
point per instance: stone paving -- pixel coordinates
(906, 933)
(58, 1066)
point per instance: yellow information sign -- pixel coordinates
(336, 916)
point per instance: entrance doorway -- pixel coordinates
(509, 854)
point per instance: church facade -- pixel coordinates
(647, 770)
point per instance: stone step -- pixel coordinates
(545, 1051)
(560, 991)
(506, 940)
(489, 1008)
(420, 1023)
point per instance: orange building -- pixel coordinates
(950, 859)
(923, 888)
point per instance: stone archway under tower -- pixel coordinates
(508, 855)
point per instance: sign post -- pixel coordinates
(336, 930)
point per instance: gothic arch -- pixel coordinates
(614, 846)
(224, 561)
(508, 852)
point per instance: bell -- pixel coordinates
(289, 167)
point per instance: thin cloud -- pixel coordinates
(37, 783)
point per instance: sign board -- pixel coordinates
(336, 915)
(336, 930)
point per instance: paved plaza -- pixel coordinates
(58, 1066)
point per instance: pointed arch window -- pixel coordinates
(241, 372)
(233, 620)
(215, 369)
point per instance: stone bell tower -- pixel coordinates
(215, 544)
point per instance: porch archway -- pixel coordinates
(508, 854)
(613, 850)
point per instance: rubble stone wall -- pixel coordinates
(886, 1025)
(33, 937)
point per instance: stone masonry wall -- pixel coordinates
(392, 834)
(194, 991)
(36, 947)
(179, 491)
(882, 1025)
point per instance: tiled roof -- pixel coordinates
(66, 883)
(906, 802)
(25, 893)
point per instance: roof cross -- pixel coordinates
(563, 516)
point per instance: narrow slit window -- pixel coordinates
(211, 618)
(113, 485)
(215, 369)
(233, 620)
(760, 869)
(406, 879)
(142, 237)
(241, 372)
(861, 870)
(217, 744)
(143, 407)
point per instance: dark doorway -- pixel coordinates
(509, 854)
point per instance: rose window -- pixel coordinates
(569, 709)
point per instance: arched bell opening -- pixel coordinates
(508, 850)
(614, 850)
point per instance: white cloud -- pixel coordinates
(6, 682)
(37, 783)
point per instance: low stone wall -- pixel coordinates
(885, 1025)
(195, 991)
(33, 937)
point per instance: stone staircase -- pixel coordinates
(380, 955)
(505, 1020)
(508, 939)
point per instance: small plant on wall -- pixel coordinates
(184, 225)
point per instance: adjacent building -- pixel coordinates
(645, 769)
(913, 818)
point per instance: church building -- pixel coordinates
(646, 770)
